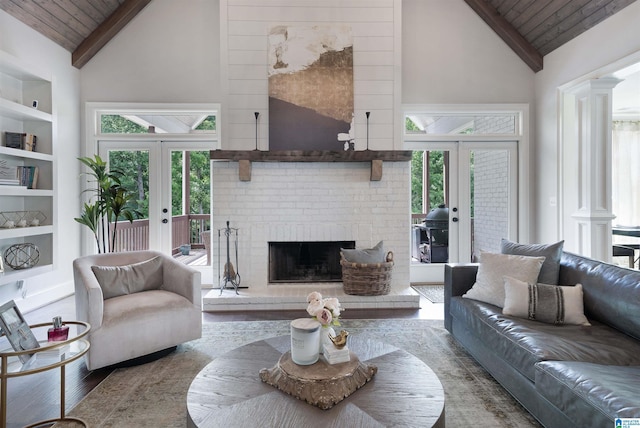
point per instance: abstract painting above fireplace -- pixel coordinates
(311, 100)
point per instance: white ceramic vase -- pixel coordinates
(324, 336)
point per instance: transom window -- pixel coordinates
(462, 124)
(140, 122)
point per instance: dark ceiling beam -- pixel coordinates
(508, 33)
(106, 31)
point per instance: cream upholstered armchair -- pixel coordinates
(137, 303)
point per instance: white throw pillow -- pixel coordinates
(489, 285)
(553, 304)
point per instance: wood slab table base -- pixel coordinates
(320, 384)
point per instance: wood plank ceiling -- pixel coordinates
(532, 28)
(82, 27)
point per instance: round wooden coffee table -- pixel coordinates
(228, 392)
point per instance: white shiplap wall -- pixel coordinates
(244, 27)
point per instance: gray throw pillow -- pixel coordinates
(370, 255)
(120, 280)
(551, 252)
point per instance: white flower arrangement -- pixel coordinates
(325, 310)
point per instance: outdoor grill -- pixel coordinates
(437, 225)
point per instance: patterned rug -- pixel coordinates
(154, 394)
(433, 293)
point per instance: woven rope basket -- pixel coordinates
(367, 279)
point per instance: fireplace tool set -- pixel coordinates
(230, 274)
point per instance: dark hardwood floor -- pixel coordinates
(36, 397)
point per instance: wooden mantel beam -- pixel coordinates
(525, 50)
(376, 157)
(311, 155)
(106, 31)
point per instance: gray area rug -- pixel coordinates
(154, 394)
(433, 293)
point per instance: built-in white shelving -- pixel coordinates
(18, 232)
(16, 275)
(20, 85)
(13, 110)
(24, 154)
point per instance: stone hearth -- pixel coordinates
(293, 297)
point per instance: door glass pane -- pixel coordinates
(489, 199)
(429, 206)
(626, 173)
(625, 168)
(134, 165)
(190, 207)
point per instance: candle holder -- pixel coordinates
(305, 341)
(256, 114)
(368, 114)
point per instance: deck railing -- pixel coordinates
(132, 236)
(417, 218)
(186, 229)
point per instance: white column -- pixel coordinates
(593, 117)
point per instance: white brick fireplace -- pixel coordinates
(309, 201)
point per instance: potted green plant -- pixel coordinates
(109, 203)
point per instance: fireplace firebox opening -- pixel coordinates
(310, 261)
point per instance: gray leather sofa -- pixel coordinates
(565, 376)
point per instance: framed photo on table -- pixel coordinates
(17, 330)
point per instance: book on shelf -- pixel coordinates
(13, 175)
(29, 143)
(28, 176)
(21, 140)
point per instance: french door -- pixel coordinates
(171, 182)
(477, 182)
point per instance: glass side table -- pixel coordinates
(47, 357)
